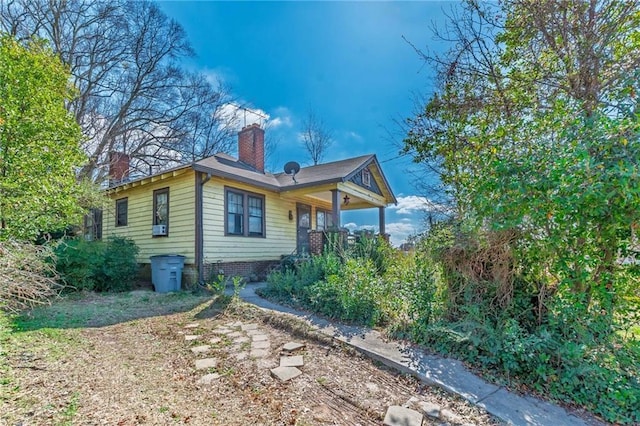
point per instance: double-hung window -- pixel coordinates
(244, 213)
(122, 210)
(161, 212)
(324, 220)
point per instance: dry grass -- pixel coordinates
(114, 367)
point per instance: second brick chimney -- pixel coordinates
(118, 167)
(251, 146)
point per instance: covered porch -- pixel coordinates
(319, 208)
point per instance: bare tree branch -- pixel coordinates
(317, 139)
(133, 95)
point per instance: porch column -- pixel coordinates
(381, 220)
(335, 207)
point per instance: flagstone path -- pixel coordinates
(246, 340)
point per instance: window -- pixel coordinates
(93, 225)
(122, 208)
(245, 213)
(324, 220)
(366, 177)
(161, 209)
(235, 213)
(256, 211)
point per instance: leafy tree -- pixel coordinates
(39, 142)
(535, 128)
(134, 96)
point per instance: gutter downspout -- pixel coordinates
(199, 249)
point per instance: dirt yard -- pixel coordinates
(100, 360)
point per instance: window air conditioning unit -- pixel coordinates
(159, 230)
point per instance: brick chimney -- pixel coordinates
(251, 146)
(118, 167)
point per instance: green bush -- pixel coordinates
(97, 265)
(469, 295)
(354, 294)
(119, 266)
(78, 261)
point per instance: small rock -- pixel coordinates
(450, 416)
(192, 325)
(254, 332)
(400, 416)
(241, 356)
(292, 346)
(221, 330)
(258, 353)
(372, 387)
(201, 349)
(190, 337)
(247, 327)
(207, 379)
(215, 340)
(291, 361)
(430, 409)
(235, 335)
(285, 373)
(259, 337)
(410, 403)
(261, 345)
(205, 363)
(241, 340)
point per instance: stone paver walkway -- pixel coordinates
(248, 341)
(447, 373)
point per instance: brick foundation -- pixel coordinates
(316, 242)
(251, 271)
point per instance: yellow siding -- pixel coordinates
(280, 231)
(181, 239)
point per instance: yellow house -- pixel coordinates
(227, 215)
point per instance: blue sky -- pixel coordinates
(346, 61)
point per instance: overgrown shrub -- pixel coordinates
(365, 283)
(27, 275)
(355, 293)
(119, 266)
(532, 333)
(468, 294)
(97, 265)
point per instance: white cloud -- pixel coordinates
(279, 122)
(215, 77)
(238, 116)
(351, 226)
(354, 135)
(400, 231)
(414, 204)
(282, 118)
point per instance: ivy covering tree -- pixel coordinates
(39, 142)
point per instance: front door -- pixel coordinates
(304, 225)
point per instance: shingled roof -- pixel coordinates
(336, 171)
(226, 166)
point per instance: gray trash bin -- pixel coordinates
(166, 272)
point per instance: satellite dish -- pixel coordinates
(291, 168)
